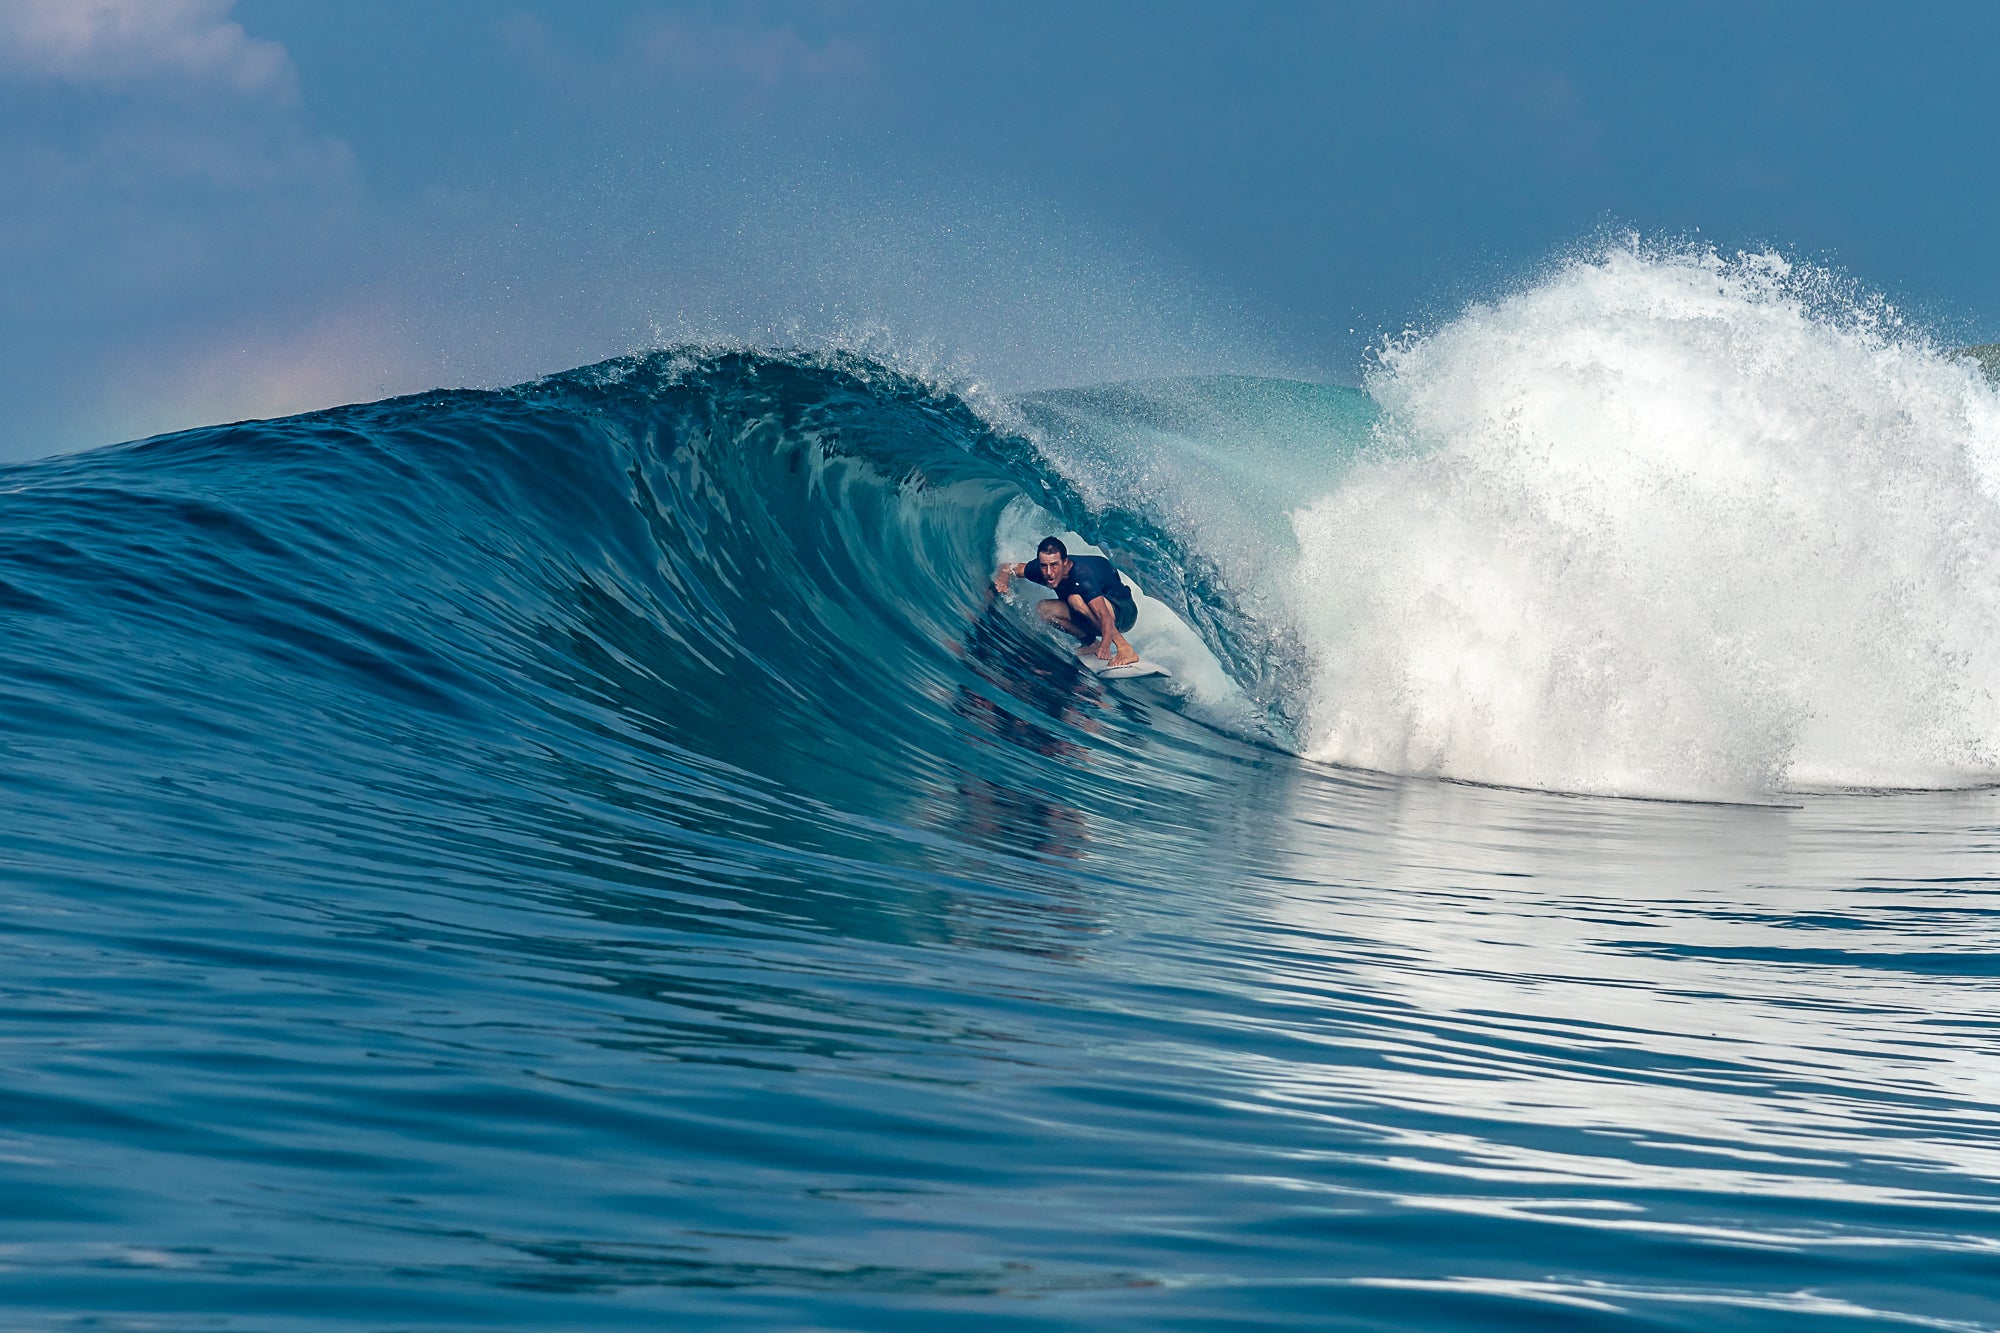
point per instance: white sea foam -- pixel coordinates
(1664, 524)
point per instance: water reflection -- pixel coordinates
(1523, 998)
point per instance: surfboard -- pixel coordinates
(1087, 654)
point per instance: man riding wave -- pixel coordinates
(1091, 601)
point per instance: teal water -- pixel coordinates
(596, 855)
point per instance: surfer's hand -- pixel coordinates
(1001, 580)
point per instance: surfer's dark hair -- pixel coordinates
(1052, 546)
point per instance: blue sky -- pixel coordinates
(212, 210)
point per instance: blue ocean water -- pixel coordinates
(599, 855)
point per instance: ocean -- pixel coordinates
(600, 854)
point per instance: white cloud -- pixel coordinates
(183, 171)
(120, 45)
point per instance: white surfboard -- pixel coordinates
(1087, 654)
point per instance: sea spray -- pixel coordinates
(1664, 524)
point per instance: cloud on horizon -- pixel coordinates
(183, 46)
(159, 185)
(182, 244)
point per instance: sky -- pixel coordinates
(214, 210)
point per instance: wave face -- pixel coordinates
(1665, 525)
(597, 854)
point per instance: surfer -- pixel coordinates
(1091, 601)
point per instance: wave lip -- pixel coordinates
(728, 566)
(1664, 524)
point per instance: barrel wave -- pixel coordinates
(601, 854)
(780, 565)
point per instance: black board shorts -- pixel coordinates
(1124, 614)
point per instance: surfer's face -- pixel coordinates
(1054, 568)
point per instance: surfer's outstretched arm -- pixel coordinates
(1006, 574)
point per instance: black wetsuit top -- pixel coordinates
(1090, 577)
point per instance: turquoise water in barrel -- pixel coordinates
(599, 854)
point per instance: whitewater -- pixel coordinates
(600, 853)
